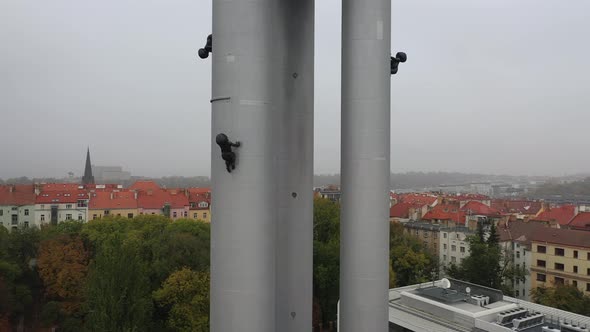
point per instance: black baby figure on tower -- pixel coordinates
(226, 153)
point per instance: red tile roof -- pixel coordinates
(568, 237)
(562, 214)
(18, 195)
(158, 198)
(62, 196)
(517, 206)
(478, 208)
(468, 197)
(199, 195)
(400, 210)
(61, 186)
(446, 212)
(519, 231)
(424, 199)
(114, 200)
(581, 221)
(144, 185)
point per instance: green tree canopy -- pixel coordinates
(185, 297)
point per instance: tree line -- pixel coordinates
(113, 274)
(151, 274)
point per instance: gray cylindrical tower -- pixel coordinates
(244, 213)
(294, 44)
(366, 33)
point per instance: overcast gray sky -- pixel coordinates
(492, 86)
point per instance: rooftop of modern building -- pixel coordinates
(455, 305)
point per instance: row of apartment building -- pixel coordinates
(551, 242)
(35, 205)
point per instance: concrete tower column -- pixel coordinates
(244, 203)
(295, 51)
(364, 242)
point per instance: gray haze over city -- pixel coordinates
(494, 86)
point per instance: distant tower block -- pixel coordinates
(88, 178)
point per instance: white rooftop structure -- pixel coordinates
(454, 305)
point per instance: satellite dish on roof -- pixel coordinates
(446, 284)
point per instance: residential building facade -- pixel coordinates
(560, 256)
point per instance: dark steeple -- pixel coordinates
(88, 178)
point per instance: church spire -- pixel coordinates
(88, 178)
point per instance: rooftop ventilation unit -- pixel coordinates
(530, 320)
(479, 300)
(507, 316)
(567, 327)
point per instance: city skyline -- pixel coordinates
(494, 87)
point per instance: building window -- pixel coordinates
(26, 212)
(14, 209)
(26, 224)
(541, 249)
(559, 266)
(195, 215)
(462, 249)
(445, 236)
(204, 215)
(42, 217)
(444, 246)
(444, 257)
(575, 283)
(517, 293)
(107, 212)
(42, 206)
(541, 263)
(68, 206)
(588, 287)
(575, 254)
(129, 215)
(68, 216)
(453, 259)
(575, 269)
(559, 252)
(588, 272)
(1, 212)
(541, 277)
(588, 256)
(79, 217)
(185, 214)
(174, 214)
(94, 216)
(559, 281)
(453, 248)
(518, 254)
(15, 219)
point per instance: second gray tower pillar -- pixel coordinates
(364, 253)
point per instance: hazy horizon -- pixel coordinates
(490, 87)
